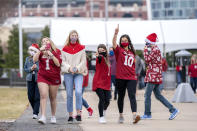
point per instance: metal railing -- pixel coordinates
(11, 77)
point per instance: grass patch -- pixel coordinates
(13, 102)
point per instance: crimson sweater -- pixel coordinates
(192, 71)
(102, 76)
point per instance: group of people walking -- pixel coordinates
(45, 64)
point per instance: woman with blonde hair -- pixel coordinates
(192, 71)
(49, 58)
(74, 68)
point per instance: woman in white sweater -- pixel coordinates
(73, 67)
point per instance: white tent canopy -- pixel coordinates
(183, 53)
(176, 34)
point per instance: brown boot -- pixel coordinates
(137, 118)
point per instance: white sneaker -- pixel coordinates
(35, 116)
(121, 119)
(104, 112)
(102, 120)
(42, 120)
(53, 120)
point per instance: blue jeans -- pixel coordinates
(113, 81)
(70, 81)
(193, 82)
(84, 102)
(33, 95)
(179, 79)
(155, 88)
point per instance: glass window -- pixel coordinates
(167, 5)
(153, 6)
(163, 13)
(46, 5)
(191, 3)
(184, 3)
(175, 4)
(180, 12)
(156, 14)
(31, 6)
(188, 13)
(158, 5)
(170, 13)
(195, 13)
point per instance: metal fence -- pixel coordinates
(11, 77)
(170, 79)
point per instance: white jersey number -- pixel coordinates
(128, 61)
(47, 64)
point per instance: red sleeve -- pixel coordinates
(57, 54)
(177, 68)
(40, 56)
(116, 51)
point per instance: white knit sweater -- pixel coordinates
(77, 60)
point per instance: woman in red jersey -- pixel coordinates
(49, 58)
(192, 71)
(102, 80)
(125, 74)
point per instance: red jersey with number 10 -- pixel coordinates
(125, 66)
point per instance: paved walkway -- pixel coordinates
(185, 121)
(26, 123)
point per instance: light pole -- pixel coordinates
(106, 19)
(164, 43)
(55, 9)
(91, 10)
(20, 40)
(149, 11)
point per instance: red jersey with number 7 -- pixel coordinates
(48, 72)
(125, 66)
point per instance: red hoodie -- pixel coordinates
(102, 76)
(85, 78)
(192, 71)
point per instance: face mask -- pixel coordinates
(48, 47)
(124, 44)
(32, 53)
(73, 40)
(103, 54)
(111, 52)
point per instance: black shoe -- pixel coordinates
(78, 118)
(70, 120)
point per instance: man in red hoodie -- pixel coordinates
(192, 71)
(152, 56)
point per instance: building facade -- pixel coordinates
(174, 9)
(85, 8)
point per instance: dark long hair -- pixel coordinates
(131, 48)
(105, 48)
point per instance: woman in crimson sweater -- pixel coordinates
(192, 71)
(102, 80)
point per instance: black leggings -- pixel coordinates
(104, 98)
(121, 86)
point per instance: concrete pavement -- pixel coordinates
(26, 123)
(185, 121)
